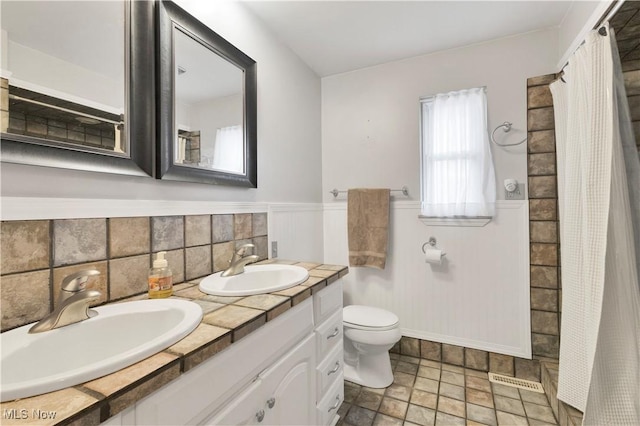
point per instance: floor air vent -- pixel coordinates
(516, 383)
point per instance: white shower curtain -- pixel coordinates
(598, 204)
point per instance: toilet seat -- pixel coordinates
(368, 318)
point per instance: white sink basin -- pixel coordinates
(120, 335)
(256, 279)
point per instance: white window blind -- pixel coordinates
(458, 178)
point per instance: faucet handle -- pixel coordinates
(78, 280)
(243, 248)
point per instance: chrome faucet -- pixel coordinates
(239, 261)
(73, 304)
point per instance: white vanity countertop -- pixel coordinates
(225, 321)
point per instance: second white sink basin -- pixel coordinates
(120, 335)
(256, 279)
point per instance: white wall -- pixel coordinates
(370, 118)
(71, 50)
(370, 138)
(581, 17)
(288, 131)
(35, 70)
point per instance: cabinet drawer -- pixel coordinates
(327, 301)
(329, 334)
(327, 408)
(329, 369)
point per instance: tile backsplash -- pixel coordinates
(37, 254)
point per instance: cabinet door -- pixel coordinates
(290, 387)
(245, 409)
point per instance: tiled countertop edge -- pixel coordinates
(225, 321)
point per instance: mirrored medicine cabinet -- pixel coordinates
(127, 87)
(207, 104)
(77, 85)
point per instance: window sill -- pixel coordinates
(455, 221)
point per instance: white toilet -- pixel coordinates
(369, 333)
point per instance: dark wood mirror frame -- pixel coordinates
(139, 117)
(171, 16)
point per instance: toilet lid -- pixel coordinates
(368, 316)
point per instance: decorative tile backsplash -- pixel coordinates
(38, 254)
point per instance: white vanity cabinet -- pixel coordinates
(327, 310)
(281, 395)
(288, 372)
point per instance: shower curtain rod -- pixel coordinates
(602, 31)
(613, 9)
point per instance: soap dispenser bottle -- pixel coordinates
(160, 278)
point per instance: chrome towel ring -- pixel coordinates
(506, 128)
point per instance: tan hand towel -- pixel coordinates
(368, 227)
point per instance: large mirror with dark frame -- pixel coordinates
(206, 104)
(78, 85)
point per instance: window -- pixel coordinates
(458, 178)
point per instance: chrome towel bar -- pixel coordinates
(404, 190)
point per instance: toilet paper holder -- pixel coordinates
(432, 243)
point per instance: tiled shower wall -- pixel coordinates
(631, 72)
(543, 219)
(546, 288)
(38, 254)
(626, 23)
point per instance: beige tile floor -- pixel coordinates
(431, 393)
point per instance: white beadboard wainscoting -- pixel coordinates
(478, 298)
(297, 228)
